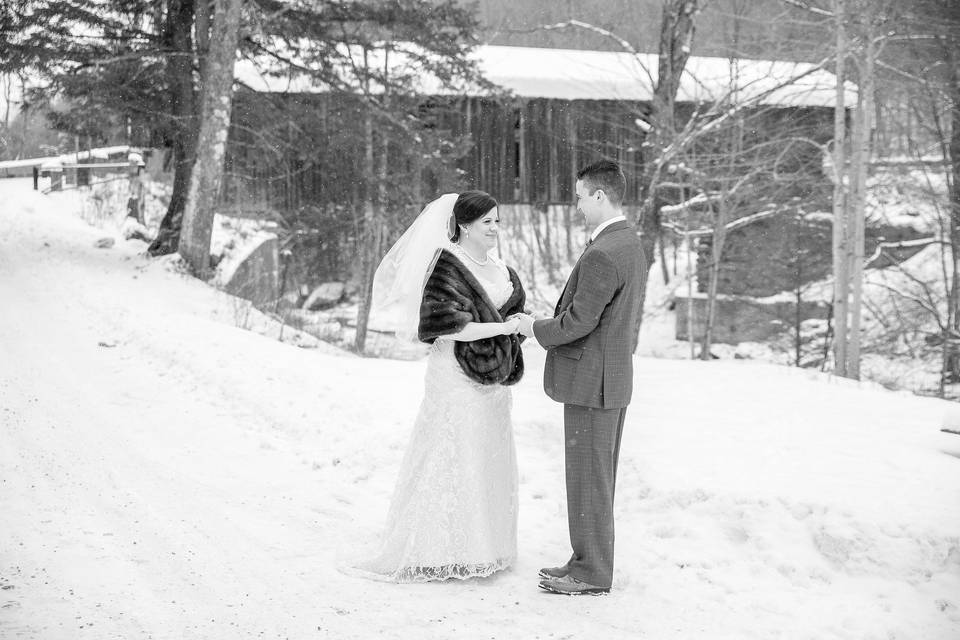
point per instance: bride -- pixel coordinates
(454, 508)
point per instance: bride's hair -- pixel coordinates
(470, 206)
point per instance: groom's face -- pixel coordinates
(588, 204)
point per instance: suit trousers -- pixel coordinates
(591, 453)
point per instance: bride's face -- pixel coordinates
(484, 230)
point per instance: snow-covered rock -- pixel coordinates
(324, 296)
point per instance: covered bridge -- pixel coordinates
(564, 109)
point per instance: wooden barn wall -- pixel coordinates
(528, 151)
(522, 152)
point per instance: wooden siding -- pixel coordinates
(521, 151)
(529, 151)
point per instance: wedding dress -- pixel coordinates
(454, 508)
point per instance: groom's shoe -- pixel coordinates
(549, 573)
(570, 586)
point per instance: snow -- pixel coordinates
(913, 198)
(586, 75)
(165, 473)
(567, 74)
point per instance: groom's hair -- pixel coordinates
(605, 175)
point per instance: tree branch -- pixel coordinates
(806, 6)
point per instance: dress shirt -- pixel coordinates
(603, 225)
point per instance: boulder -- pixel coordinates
(256, 277)
(325, 296)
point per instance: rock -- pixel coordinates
(256, 278)
(352, 288)
(134, 230)
(325, 296)
(104, 243)
(290, 300)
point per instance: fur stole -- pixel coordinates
(453, 297)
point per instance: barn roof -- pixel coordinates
(569, 74)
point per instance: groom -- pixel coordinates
(589, 368)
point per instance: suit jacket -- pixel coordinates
(591, 338)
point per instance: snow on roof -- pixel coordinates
(569, 74)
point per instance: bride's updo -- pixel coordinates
(470, 206)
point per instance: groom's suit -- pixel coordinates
(589, 368)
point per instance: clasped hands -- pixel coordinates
(521, 323)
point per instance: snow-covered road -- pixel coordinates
(167, 474)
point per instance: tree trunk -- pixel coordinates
(952, 364)
(676, 38)
(212, 142)
(664, 269)
(24, 118)
(202, 28)
(797, 317)
(179, 73)
(7, 91)
(369, 248)
(688, 243)
(840, 276)
(720, 218)
(860, 160)
(716, 254)
(827, 338)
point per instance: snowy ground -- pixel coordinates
(166, 474)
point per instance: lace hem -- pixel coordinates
(433, 574)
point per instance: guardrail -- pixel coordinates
(75, 168)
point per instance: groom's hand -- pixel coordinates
(526, 324)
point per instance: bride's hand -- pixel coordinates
(511, 326)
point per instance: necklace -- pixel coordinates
(467, 253)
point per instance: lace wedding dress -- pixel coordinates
(454, 509)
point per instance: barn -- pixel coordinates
(555, 111)
(563, 109)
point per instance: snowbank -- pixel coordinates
(166, 473)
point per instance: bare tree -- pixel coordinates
(949, 40)
(863, 20)
(668, 136)
(176, 34)
(840, 264)
(861, 152)
(677, 27)
(923, 63)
